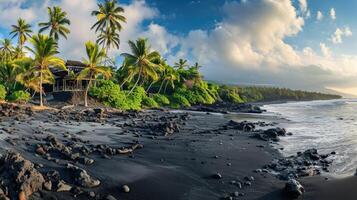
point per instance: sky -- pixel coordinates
(300, 44)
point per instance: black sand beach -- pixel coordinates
(167, 155)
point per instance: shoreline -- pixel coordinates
(199, 158)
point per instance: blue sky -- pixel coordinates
(261, 42)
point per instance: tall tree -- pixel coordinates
(6, 50)
(22, 30)
(94, 67)
(108, 38)
(44, 51)
(109, 16)
(57, 23)
(142, 60)
(196, 66)
(181, 64)
(169, 77)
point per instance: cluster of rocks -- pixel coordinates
(226, 107)
(19, 177)
(11, 110)
(272, 134)
(87, 115)
(307, 163)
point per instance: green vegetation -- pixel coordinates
(149, 102)
(2, 92)
(161, 99)
(20, 96)
(256, 94)
(143, 80)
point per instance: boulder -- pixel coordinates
(294, 189)
(19, 176)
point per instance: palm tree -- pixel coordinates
(18, 53)
(169, 76)
(44, 51)
(142, 60)
(57, 23)
(109, 38)
(22, 30)
(93, 67)
(181, 64)
(196, 66)
(6, 50)
(109, 16)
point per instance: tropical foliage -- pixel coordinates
(144, 79)
(44, 51)
(94, 67)
(57, 23)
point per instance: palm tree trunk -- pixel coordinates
(86, 93)
(41, 88)
(122, 85)
(162, 83)
(167, 83)
(137, 81)
(147, 90)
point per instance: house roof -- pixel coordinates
(75, 63)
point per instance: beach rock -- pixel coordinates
(63, 187)
(19, 175)
(48, 185)
(126, 189)
(40, 151)
(242, 126)
(293, 188)
(110, 197)
(217, 176)
(82, 178)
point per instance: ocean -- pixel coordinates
(325, 125)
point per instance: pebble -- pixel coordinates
(126, 188)
(217, 176)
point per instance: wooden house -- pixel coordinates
(66, 85)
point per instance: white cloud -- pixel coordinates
(336, 38)
(79, 13)
(308, 51)
(333, 14)
(319, 16)
(234, 51)
(303, 6)
(326, 51)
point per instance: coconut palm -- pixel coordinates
(196, 66)
(44, 51)
(143, 61)
(57, 23)
(94, 66)
(108, 38)
(181, 64)
(18, 53)
(6, 50)
(170, 76)
(109, 16)
(22, 30)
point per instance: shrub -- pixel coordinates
(198, 94)
(161, 99)
(178, 101)
(2, 92)
(110, 94)
(20, 96)
(150, 102)
(135, 99)
(230, 94)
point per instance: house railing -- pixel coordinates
(69, 85)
